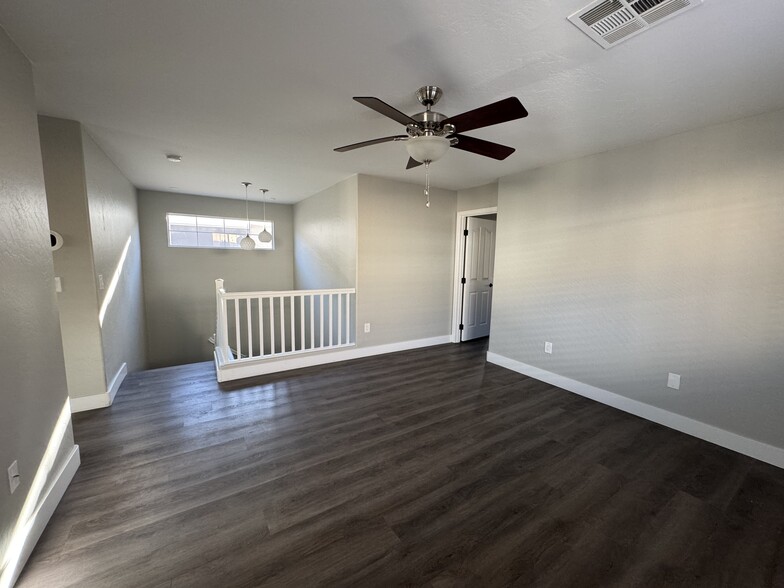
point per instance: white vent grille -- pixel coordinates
(609, 22)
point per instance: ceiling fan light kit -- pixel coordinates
(427, 148)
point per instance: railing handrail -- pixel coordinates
(271, 293)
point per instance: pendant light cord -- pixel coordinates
(247, 216)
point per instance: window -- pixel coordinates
(189, 230)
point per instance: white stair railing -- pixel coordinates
(261, 325)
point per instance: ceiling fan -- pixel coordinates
(430, 134)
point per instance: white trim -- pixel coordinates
(82, 403)
(260, 367)
(46, 508)
(459, 244)
(756, 449)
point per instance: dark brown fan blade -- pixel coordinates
(485, 116)
(383, 108)
(413, 163)
(371, 142)
(482, 147)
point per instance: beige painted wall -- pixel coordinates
(116, 252)
(63, 164)
(325, 228)
(405, 261)
(480, 197)
(33, 391)
(179, 284)
(660, 257)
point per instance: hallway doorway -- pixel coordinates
(474, 267)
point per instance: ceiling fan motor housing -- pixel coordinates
(429, 95)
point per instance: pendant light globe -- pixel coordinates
(247, 243)
(265, 236)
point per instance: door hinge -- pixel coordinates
(462, 280)
(465, 232)
(461, 326)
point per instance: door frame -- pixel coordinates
(462, 215)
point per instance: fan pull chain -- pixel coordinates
(427, 184)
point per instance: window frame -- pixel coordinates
(226, 244)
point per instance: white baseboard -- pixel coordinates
(45, 510)
(756, 449)
(260, 367)
(82, 403)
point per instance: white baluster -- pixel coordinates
(250, 328)
(237, 327)
(302, 322)
(293, 328)
(261, 325)
(282, 326)
(330, 320)
(272, 324)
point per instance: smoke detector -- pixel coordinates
(608, 22)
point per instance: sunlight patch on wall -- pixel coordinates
(113, 284)
(27, 517)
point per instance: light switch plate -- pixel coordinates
(13, 476)
(100, 282)
(58, 284)
(674, 381)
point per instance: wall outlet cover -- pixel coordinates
(367, 327)
(674, 381)
(548, 347)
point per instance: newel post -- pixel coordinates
(221, 326)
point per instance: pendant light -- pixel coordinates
(265, 236)
(247, 242)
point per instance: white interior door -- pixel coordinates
(478, 278)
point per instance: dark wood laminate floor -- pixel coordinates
(427, 467)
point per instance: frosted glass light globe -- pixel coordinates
(427, 148)
(247, 243)
(265, 236)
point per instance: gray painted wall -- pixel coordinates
(63, 164)
(660, 257)
(94, 207)
(480, 197)
(179, 284)
(325, 245)
(33, 389)
(114, 226)
(405, 261)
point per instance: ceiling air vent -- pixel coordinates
(608, 22)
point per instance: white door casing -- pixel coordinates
(479, 261)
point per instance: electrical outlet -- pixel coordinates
(548, 347)
(58, 284)
(13, 477)
(100, 282)
(674, 381)
(367, 327)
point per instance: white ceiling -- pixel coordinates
(261, 90)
